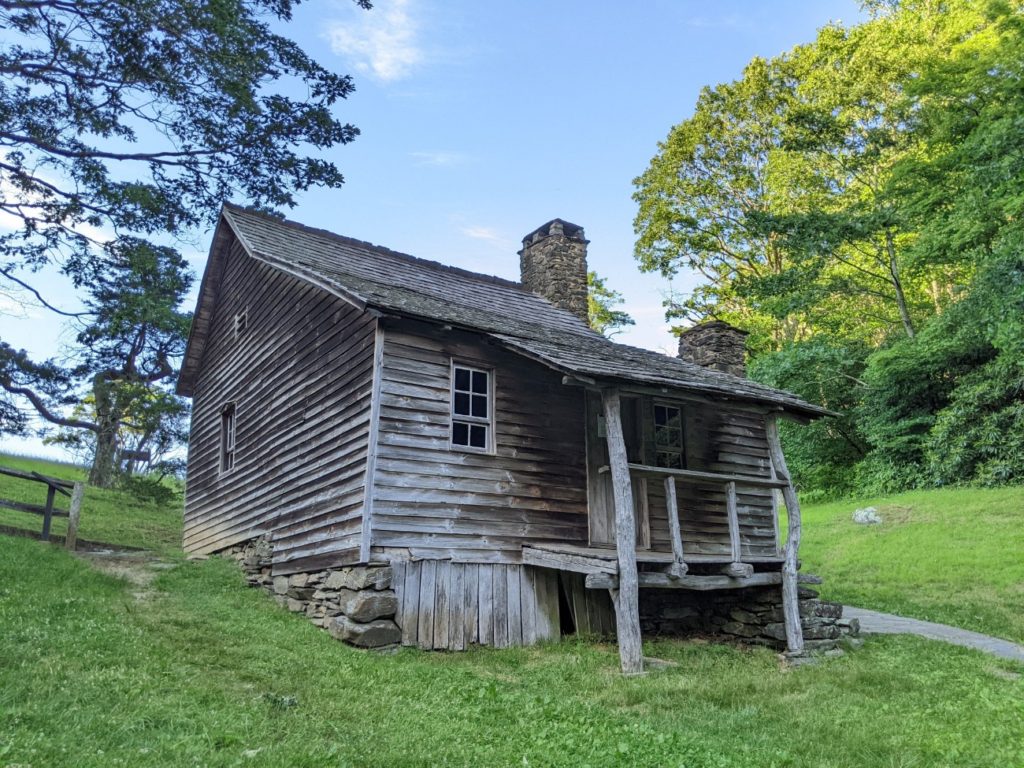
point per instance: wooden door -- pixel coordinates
(601, 507)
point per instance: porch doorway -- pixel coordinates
(600, 499)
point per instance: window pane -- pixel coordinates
(462, 404)
(669, 460)
(462, 379)
(480, 382)
(660, 417)
(479, 406)
(478, 436)
(460, 433)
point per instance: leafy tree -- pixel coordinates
(123, 125)
(601, 303)
(699, 196)
(822, 454)
(128, 340)
(856, 203)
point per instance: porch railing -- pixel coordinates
(729, 483)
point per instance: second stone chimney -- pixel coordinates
(553, 264)
(716, 345)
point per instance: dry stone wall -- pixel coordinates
(751, 615)
(358, 606)
(355, 604)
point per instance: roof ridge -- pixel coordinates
(436, 265)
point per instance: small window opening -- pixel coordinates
(472, 408)
(241, 322)
(227, 438)
(668, 436)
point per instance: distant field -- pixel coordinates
(108, 516)
(954, 556)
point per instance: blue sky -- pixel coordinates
(480, 121)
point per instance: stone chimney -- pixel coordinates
(716, 345)
(553, 264)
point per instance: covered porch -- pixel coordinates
(676, 527)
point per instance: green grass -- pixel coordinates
(109, 516)
(202, 671)
(955, 556)
(207, 672)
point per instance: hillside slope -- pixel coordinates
(954, 556)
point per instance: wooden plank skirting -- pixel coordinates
(452, 606)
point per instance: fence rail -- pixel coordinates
(48, 511)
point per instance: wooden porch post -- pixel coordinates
(790, 599)
(678, 568)
(627, 596)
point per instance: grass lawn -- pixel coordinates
(111, 516)
(196, 669)
(203, 671)
(954, 556)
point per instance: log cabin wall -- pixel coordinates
(726, 439)
(300, 376)
(433, 501)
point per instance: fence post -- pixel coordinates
(74, 512)
(48, 512)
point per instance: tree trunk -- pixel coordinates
(104, 461)
(897, 284)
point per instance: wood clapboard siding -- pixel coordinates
(451, 605)
(438, 502)
(730, 441)
(300, 376)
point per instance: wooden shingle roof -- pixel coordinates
(376, 278)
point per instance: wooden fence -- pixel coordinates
(54, 486)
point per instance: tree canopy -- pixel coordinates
(601, 307)
(854, 203)
(123, 126)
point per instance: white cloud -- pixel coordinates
(381, 42)
(482, 233)
(438, 158)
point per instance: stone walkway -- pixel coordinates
(875, 623)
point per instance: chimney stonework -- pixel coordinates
(553, 264)
(715, 345)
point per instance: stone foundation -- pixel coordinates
(355, 604)
(751, 615)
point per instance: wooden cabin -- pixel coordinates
(360, 406)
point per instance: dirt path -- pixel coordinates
(873, 622)
(138, 568)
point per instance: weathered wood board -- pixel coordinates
(437, 500)
(452, 606)
(300, 378)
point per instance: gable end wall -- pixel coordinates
(301, 379)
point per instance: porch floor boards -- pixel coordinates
(604, 560)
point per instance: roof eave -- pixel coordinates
(200, 324)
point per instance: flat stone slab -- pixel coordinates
(875, 623)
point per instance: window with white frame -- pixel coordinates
(472, 408)
(227, 438)
(668, 436)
